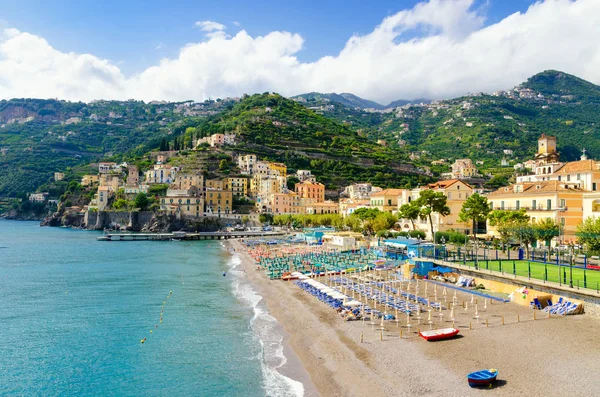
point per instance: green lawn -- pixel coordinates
(538, 271)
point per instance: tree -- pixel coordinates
(291, 182)
(546, 230)
(245, 219)
(432, 202)
(265, 218)
(588, 234)
(141, 201)
(384, 221)
(475, 209)
(164, 146)
(506, 223)
(120, 204)
(525, 233)
(410, 211)
(223, 165)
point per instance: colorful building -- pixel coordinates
(556, 200)
(387, 199)
(238, 186)
(311, 190)
(218, 202)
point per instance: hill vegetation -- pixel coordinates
(279, 129)
(40, 137)
(330, 134)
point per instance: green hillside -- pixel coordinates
(39, 137)
(279, 129)
(482, 126)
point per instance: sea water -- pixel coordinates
(75, 310)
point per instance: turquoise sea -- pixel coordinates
(74, 311)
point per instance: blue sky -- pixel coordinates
(383, 50)
(136, 34)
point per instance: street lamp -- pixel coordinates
(571, 265)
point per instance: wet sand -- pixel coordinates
(545, 357)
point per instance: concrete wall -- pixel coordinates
(149, 221)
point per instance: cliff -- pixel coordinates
(142, 221)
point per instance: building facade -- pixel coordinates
(311, 190)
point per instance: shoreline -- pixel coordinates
(293, 368)
(548, 357)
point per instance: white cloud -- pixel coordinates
(210, 26)
(236, 23)
(436, 49)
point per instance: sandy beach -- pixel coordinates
(542, 357)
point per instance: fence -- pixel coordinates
(578, 273)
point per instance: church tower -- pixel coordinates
(546, 153)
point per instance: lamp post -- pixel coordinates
(571, 265)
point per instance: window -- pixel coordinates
(568, 178)
(449, 196)
(594, 186)
(534, 204)
(562, 203)
(518, 204)
(491, 205)
(548, 204)
(578, 177)
(562, 221)
(501, 205)
(560, 178)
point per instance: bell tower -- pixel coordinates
(546, 153)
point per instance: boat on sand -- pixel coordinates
(483, 378)
(439, 334)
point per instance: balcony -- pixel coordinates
(530, 208)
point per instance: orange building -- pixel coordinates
(311, 190)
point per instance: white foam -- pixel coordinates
(264, 330)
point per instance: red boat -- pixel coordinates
(439, 334)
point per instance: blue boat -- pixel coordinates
(483, 378)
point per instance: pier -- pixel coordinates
(186, 236)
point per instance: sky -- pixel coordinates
(380, 50)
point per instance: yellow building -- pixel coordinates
(218, 184)
(238, 186)
(187, 181)
(218, 202)
(88, 180)
(386, 200)
(456, 192)
(279, 169)
(321, 208)
(183, 205)
(112, 181)
(548, 199)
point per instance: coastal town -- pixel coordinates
(545, 189)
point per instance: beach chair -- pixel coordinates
(549, 302)
(537, 304)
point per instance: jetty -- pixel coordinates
(187, 236)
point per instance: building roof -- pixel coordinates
(388, 192)
(537, 187)
(309, 183)
(446, 184)
(578, 166)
